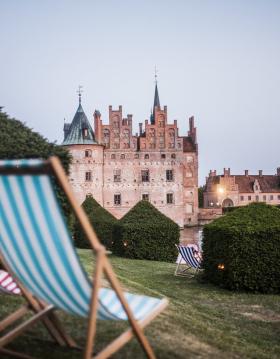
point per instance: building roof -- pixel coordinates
(80, 131)
(268, 183)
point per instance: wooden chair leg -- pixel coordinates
(94, 307)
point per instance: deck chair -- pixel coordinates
(35, 247)
(8, 284)
(187, 261)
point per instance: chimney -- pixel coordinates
(246, 173)
(260, 173)
(140, 128)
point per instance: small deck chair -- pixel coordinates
(8, 284)
(35, 247)
(188, 260)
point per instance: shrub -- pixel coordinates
(241, 251)
(145, 233)
(101, 220)
(18, 141)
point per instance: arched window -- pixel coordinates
(146, 156)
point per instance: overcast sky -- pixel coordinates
(217, 60)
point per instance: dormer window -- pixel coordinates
(85, 132)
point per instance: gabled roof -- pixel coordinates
(80, 131)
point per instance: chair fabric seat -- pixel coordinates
(40, 251)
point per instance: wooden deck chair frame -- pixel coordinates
(183, 269)
(46, 313)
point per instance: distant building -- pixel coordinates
(119, 169)
(239, 190)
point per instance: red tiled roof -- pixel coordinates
(268, 183)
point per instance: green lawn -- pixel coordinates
(201, 321)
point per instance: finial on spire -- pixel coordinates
(155, 74)
(79, 92)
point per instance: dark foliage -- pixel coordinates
(246, 242)
(145, 233)
(18, 141)
(229, 209)
(101, 220)
(200, 196)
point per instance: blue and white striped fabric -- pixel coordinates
(21, 163)
(36, 244)
(188, 256)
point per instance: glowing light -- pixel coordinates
(125, 244)
(221, 266)
(221, 190)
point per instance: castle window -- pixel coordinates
(136, 155)
(122, 156)
(249, 198)
(117, 199)
(145, 197)
(163, 155)
(257, 198)
(169, 198)
(169, 175)
(278, 197)
(88, 176)
(146, 157)
(113, 156)
(173, 155)
(264, 197)
(271, 197)
(241, 198)
(145, 176)
(117, 175)
(88, 153)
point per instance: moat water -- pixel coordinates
(191, 235)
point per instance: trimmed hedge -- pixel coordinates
(241, 251)
(101, 220)
(145, 233)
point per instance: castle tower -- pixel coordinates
(86, 174)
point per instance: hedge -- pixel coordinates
(241, 251)
(145, 233)
(101, 220)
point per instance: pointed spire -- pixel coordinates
(156, 99)
(79, 92)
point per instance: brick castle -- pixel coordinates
(119, 169)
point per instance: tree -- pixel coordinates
(18, 141)
(200, 196)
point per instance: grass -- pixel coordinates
(202, 321)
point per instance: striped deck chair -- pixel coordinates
(188, 260)
(35, 247)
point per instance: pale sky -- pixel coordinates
(217, 60)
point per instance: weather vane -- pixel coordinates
(79, 92)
